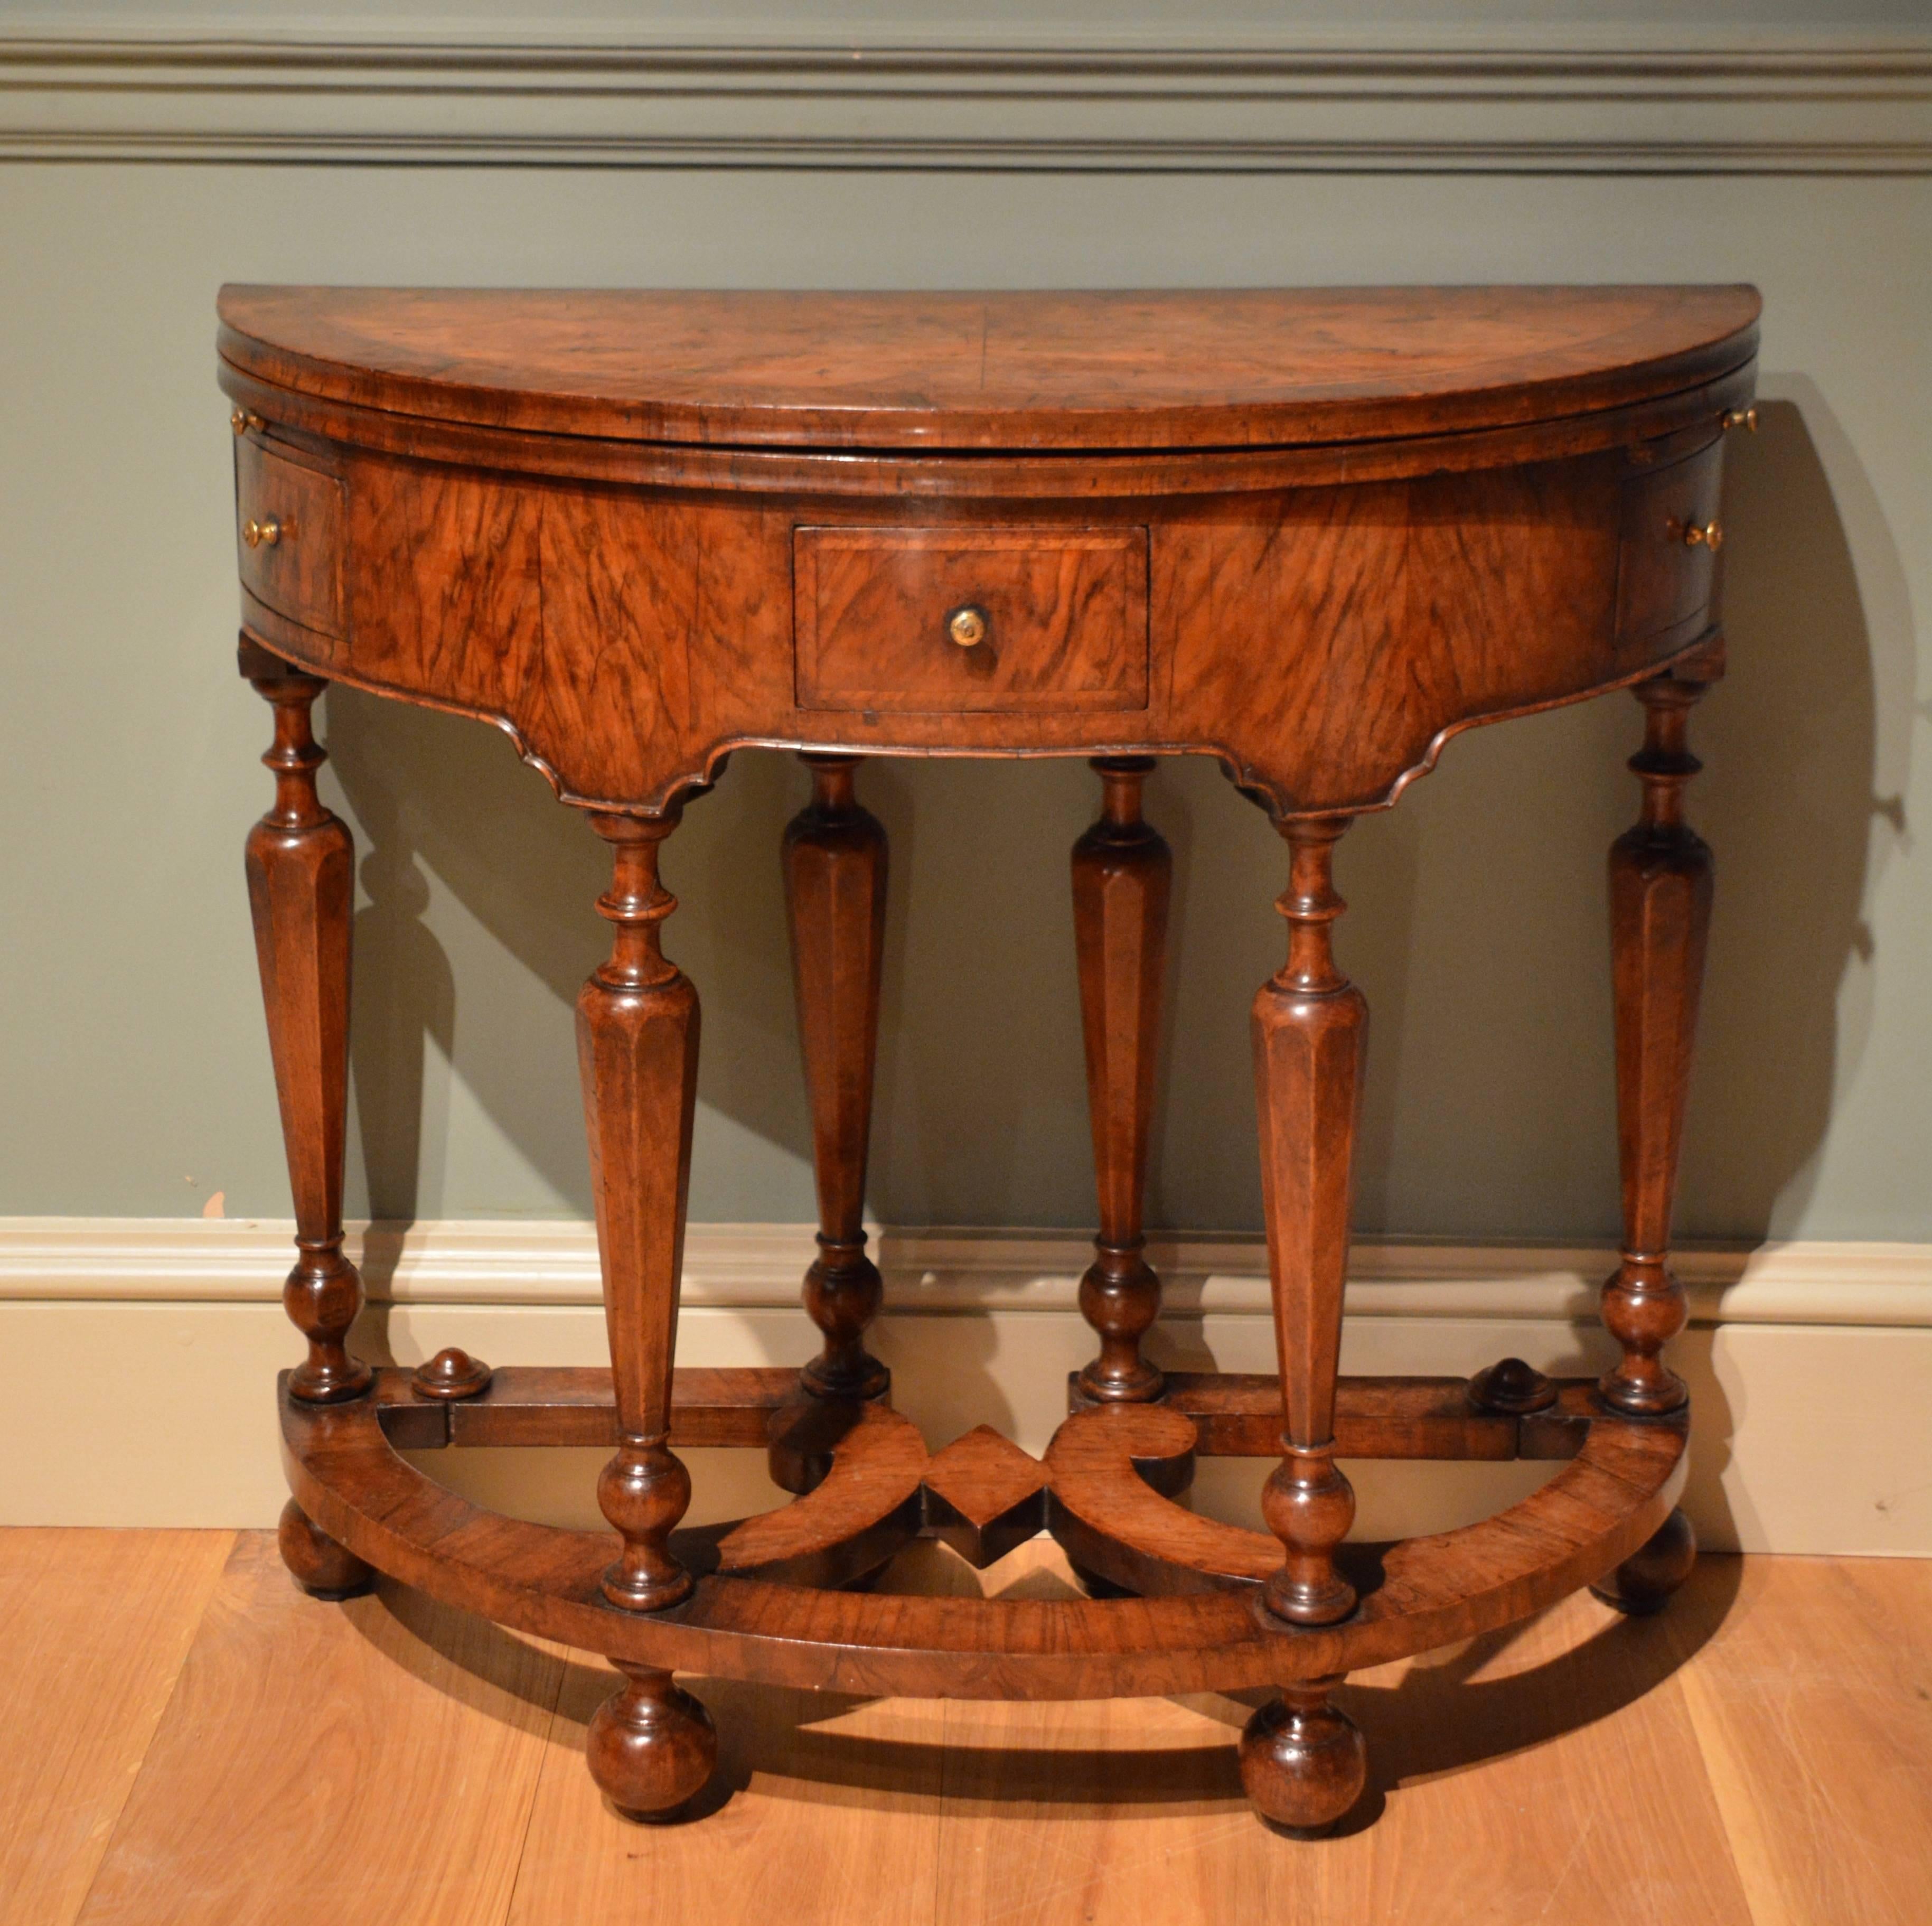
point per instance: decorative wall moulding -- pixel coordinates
(757, 1267)
(1819, 104)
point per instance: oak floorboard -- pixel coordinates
(1517, 1778)
(1762, 1753)
(333, 1763)
(825, 1811)
(94, 1625)
(1812, 1705)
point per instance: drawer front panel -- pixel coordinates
(1662, 578)
(1064, 618)
(289, 523)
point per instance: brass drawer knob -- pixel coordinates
(243, 419)
(967, 626)
(1703, 535)
(266, 533)
(1739, 417)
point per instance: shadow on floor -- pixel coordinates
(1440, 1715)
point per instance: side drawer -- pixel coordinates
(1663, 576)
(288, 528)
(1060, 615)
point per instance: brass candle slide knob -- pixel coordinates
(243, 419)
(967, 626)
(1739, 417)
(266, 533)
(1703, 535)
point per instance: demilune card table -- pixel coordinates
(1311, 532)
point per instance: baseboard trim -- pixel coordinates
(177, 1321)
(1615, 101)
(757, 1267)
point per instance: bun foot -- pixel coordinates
(651, 1747)
(322, 1568)
(1642, 1584)
(1303, 1760)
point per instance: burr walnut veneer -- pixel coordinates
(1311, 533)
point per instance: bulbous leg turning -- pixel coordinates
(321, 1567)
(652, 1747)
(1303, 1760)
(1642, 1584)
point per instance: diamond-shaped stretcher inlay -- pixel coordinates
(984, 1495)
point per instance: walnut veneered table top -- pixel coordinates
(1248, 367)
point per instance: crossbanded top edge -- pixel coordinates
(1007, 372)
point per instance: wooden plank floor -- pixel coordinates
(183, 1737)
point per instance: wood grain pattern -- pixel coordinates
(1397, 591)
(1774, 1777)
(1310, 1034)
(824, 1808)
(1234, 1414)
(320, 1760)
(835, 861)
(1056, 1814)
(1661, 582)
(549, 1404)
(1218, 369)
(299, 572)
(1239, 1414)
(1065, 614)
(1312, 533)
(300, 864)
(1122, 871)
(117, 1609)
(636, 1049)
(984, 1496)
(1812, 1704)
(1660, 890)
(1611, 1495)
(1389, 616)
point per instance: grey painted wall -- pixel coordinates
(131, 1051)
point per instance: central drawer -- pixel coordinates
(946, 620)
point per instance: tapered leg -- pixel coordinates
(636, 1048)
(1310, 1026)
(302, 869)
(1121, 873)
(1303, 1760)
(1660, 913)
(835, 871)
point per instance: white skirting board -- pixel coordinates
(141, 1356)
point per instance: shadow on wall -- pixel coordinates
(1479, 934)
(1790, 740)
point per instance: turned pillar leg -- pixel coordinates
(1660, 913)
(1122, 870)
(301, 873)
(835, 871)
(636, 1048)
(1303, 1761)
(1310, 1027)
